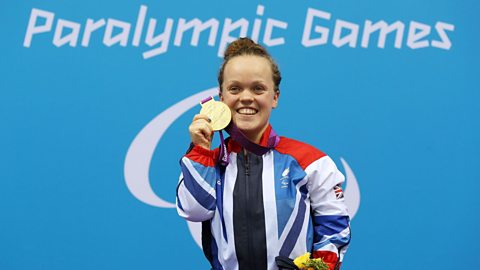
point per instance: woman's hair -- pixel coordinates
(246, 46)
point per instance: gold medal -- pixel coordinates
(218, 112)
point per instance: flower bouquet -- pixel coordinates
(304, 262)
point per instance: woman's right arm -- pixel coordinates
(196, 196)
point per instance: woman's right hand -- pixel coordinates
(201, 131)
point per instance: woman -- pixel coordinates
(281, 203)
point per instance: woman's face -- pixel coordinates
(248, 89)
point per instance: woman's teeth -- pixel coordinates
(248, 111)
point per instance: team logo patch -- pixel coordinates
(284, 179)
(338, 191)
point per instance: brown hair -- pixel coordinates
(246, 46)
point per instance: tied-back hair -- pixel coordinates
(246, 46)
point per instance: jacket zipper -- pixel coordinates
(247, 198)
(247, 165)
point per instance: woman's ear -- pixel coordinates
(275, 99)
(220, 94)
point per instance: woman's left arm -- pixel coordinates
(331, 223)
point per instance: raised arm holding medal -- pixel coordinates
(264, 200)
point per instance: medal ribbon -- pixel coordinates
(238, 136)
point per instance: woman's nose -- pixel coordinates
(246, 96)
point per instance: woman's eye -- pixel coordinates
(259, 89)
(234, 89)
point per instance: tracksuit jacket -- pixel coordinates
(286, 202)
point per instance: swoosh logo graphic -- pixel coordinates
(140, 153)
(352, 191)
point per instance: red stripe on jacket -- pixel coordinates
(203, 156)
(305, 154)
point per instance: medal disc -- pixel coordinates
(218, 112)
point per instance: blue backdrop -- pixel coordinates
(390, 86)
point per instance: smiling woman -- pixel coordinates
(275, 198)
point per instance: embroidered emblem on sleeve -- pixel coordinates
(338, 191)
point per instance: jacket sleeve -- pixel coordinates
(196, 196)
(331, 223)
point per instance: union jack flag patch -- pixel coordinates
(338, 191)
